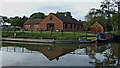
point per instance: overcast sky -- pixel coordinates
(78, 8)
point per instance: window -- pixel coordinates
(47, 26)
(96, 26)
(37, 29)
(66, 25)
(51, 17)
(71, 26)
(31, 26)
(75, 26)
(50, 26)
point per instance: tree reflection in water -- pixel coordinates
(110, 52)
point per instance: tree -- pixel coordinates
(65, 13)
(6, 19)
(109, 11)
(23, 20)
(108, 8)
(15, 21)
(18, 21)
(38, 15)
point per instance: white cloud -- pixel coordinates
(0, 8)
(84, 7)
(51, 0)
(78, 9)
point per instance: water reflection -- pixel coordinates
(97, 54)
(107, 52)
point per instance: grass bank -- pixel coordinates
(48, 34)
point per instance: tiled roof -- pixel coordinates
(101, 24)
(33, 21)
(66, 19)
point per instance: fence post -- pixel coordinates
(51, 32)
(86, 34)
(22, 32)
(41, 31)
(15, 29)
(7, 30)
(62, 32)
(74, 33)
(23, 29)
(32, 33)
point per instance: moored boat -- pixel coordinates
(104, 37)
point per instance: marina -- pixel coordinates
(64, 33)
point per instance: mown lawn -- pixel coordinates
(47, 34)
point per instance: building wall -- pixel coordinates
(58, 23)
(27, 27)
(97, 28)
(73, 28)
(36, 27)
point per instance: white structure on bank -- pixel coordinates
(2, 23)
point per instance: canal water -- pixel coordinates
(61, 55)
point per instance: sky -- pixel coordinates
(78, 8)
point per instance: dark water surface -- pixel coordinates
(61, 55)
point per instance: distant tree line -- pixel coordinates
(19, 21)
(38, 15)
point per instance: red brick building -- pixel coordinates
(32, 24)
(97, 27)
(54, 22)
(59, 22)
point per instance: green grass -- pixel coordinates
(47, 34)
(91, 38)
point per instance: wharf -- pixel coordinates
(46, 41)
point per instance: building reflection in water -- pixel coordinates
(109, 52)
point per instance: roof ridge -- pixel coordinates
(101, 24)
(67, 19)
(32, 21)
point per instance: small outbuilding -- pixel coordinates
(98, 27)
(32, 24)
